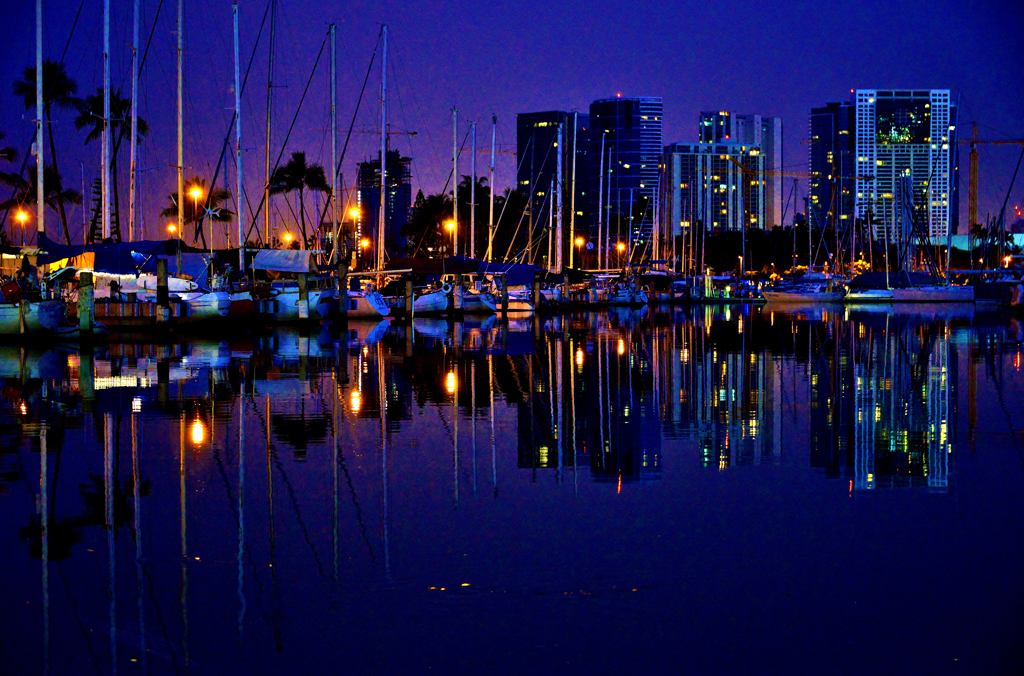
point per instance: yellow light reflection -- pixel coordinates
(622, 346)
(579, 357)
(356, 401)
(198, 431)
(450, 382)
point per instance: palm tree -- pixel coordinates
(7, 154)
(90, 114)
(25, 192)
(297, 175)
(206, 206)
(58, 90)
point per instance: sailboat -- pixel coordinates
(24, 310)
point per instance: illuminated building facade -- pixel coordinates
(704, 186)
(630, 132)
(832, 133)
(763, 133)
(537, 162)
(399, 198)
(862, 149)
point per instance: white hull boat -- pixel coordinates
(870, 296)
(814, 293)
(288, 308)
(935, 294)
(366, 304)
(40, 316)
(479, 303)
(435, 301)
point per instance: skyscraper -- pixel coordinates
(765, 133)
(861, 150)
(831, 158)
(907, 132)
(628, 132)
(537, 159)
(705, 185)
(399, 198)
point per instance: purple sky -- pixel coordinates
(776, 59)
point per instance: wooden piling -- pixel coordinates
(86, 304)
(163, 300)
(303, 298)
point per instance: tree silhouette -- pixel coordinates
(300, 176)
(90, 116)
(24, 195)
(208, 205)
(58, 90)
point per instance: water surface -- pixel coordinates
(716, 489)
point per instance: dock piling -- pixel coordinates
(86, 304)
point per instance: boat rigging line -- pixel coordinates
(291, 127)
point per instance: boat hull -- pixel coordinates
(40, 317)
(870, 296)
(934, 294)
(479, 304)
(366, 304)
(803, 296)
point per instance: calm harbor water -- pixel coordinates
(719, 489)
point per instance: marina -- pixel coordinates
(394, 338)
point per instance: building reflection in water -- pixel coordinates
(868, 398)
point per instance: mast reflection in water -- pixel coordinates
(457, 496)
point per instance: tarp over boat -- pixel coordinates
(118, 258)
(283, 260)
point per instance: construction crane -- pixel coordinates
(972, 186)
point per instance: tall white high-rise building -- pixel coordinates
(903, 132)
(764, 133)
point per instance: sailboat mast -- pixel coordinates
(270, 117)
(600, 196)
(105, 162)
(557, 203)
(133, 146)
(40, 192)
(572, 195)
(490, 183)
(181, 135)
(382, 214)
(239, 201)
(335, 254)
(551, 223)
(455, 180)
(472, 198)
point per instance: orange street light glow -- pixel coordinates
(450, 225)
(620, 246)
(196, 192)
(171, 227)
(198, 432)
(21, 217)
(354, 213)
(579, 241)
(364, 243)
(287, 236)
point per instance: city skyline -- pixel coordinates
(505, 61)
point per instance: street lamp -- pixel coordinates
(621, 246)
(171, 228)
(579, 250)
(22, 217)
(451, 228)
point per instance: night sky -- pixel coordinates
(776, 59)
